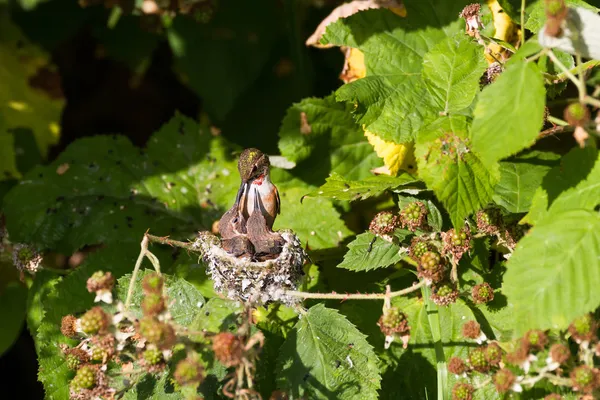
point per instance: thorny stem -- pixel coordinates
(357, 296)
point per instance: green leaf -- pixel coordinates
(317, 361)
(455, 173)
(152, 387)
(392, 101)
(537, 15)
(368, 252)
(519, 179)
(552, 277)
(12, 313)
(339, 188)
(570, 185)
(128, 42)
(315, 220)
(219, 315)
(409, 381)
(21, 105)
(509, 113)
(221, 59)
(184, 300)
(8, 163)
(104, 190)
(452, 70)
(329, 141)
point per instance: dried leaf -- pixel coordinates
(348, 9)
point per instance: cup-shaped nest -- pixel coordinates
(255, 282)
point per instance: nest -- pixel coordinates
(255, 282)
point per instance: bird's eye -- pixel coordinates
(254, 168)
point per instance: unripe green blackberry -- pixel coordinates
(504, 380)
(153, 356)
(482, 293)
(456, 242)
(73, 361)
(585, 379)
(384, 223)
(489, 221)
(188, 372)
(94, 321)
(98, 354)
(431, 267)
(413, 215)
(444, 294)
(462, 391)
(228, 349)
(560, 353)
(583, 328)
(394, 322)
(157, 332)
(153, 304)
(26, 258)
(100, 280)
(577, 114)
(84, 379)
(536, 339)
(478, 361)
(152, 283)
(493, 354)
(418, 248)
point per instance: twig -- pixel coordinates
(357, 296)
(554, 130)
(171, 242)
(138, 263)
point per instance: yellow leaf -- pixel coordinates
(395, 156)
(354, 66)
(505, 29)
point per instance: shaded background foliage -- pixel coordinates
(129, 80)
(75, 70)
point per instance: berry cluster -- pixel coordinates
(535, 357)
(413, 216)
(135, 346)
(456, 242)
(384, 224)
(393, 323)
(490, 222)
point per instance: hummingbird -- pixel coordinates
(255, 192)
(254, 168)
(265, 241)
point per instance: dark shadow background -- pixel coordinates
(104, 95)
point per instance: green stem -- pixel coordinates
(357, 296)
(433, 316)
(575, 70)
(557, 121)
(523, 22)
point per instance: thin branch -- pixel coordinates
(171, 242)
(555, 130)
(357, 296)
(138, 263)
(575, 70)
